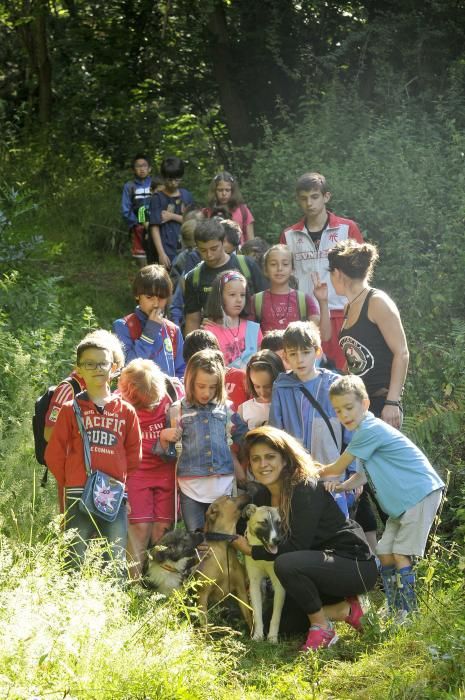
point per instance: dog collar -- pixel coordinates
(220, 537)
(169, 568)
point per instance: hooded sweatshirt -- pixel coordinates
(292, 411)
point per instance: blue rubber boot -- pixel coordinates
(388, 575)
(406, 586)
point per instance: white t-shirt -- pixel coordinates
(254, 413)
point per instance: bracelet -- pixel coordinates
(392, 403)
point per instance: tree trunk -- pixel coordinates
(34, 37)
(231, 100)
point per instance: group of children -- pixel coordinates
(251, 354)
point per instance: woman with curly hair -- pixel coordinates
(323, 561)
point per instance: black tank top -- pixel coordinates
(366, 351)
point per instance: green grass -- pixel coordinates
(80, 636)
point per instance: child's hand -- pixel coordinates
(164, 260)
(320, 289)
(171, 434)
(166, 216)
(156, 315)
(332, 486)
(128, 508)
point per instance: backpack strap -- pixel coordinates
(196, 275)
(258, 304)
(134, 325)
(171, 331)
(302, 304)
(316, 404)
(245, 269)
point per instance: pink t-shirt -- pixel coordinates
(279, 310)
(231, 340)
(243, 216)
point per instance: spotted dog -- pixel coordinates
(171, 560)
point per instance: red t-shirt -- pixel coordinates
(152, 422)
(236, 387)
(279, 310)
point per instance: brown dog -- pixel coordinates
(220, 569)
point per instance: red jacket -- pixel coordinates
(114, 436)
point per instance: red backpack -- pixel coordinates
(135, 329)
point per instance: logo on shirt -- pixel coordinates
(168, 345)
(54, 414)
(359, 358)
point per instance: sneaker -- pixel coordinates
(319, 638)
(354, 618)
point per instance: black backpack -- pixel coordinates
(38, 419)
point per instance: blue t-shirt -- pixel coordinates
(397, 470)
(170, 231)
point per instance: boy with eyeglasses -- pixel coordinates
(165, 217)
(115, 445)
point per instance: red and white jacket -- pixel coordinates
(114, 436)
(308, 259)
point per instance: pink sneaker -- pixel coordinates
(354, 618)
(319, 638)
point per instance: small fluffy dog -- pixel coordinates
(263, 528)
(171, 560)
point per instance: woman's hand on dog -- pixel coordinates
(241, 544)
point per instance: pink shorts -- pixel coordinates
(151, 496)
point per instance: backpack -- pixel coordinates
(38, 419)
(140, 210)
(241, 259)
(135, 330)
(301, 302)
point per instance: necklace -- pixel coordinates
(280, 319)
(230, 329)
(347, 311)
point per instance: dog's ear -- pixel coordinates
(212, 513)
(248, 511)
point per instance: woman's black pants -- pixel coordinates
(312, 579)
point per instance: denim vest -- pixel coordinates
(205, 449)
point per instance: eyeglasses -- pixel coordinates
(96, 365)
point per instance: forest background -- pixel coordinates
(370, 93)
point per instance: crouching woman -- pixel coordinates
(323, 561)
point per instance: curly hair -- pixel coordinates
(356, 260)
(298, 464)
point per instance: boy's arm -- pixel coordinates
(57, 449)
(149, 344)
(127, 210)
(133, 441)
(276, 417)
(156, 238)
(337, 467)
(353, 482)
(193, 307)
(179, 364)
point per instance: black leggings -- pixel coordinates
(313, 578)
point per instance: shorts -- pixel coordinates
(408, 533)
(137, 243)
(151, 497)
(331, 348)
